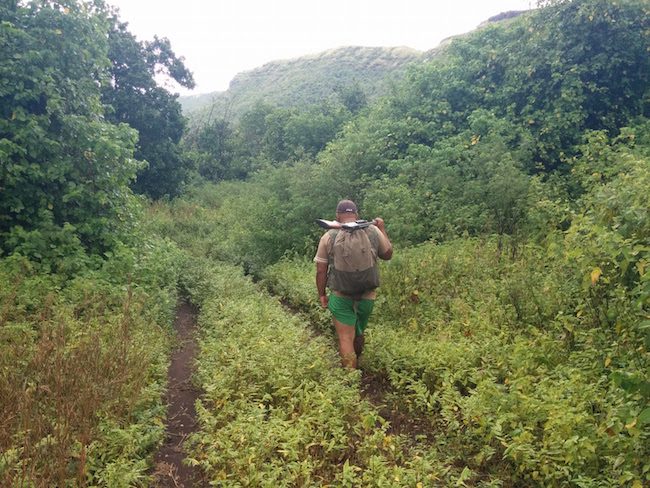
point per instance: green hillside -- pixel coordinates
(306, 80)
(509, 344)
(192, 103)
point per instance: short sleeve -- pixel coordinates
(322, 255)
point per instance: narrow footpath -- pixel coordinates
(376, 390)
(169, 469)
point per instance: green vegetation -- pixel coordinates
(133, 97)
(484, 351)
(86, 299)
(65, 170)
(83, 368)
(277, 411)
(267, 136)
(510, 344)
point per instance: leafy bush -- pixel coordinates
(82, 368)
(65, 171)
(276, 411)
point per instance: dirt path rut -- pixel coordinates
(169, 470)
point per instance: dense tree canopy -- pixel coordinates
(65, 170)
(267, 136)
(134, 97)
(68, 159)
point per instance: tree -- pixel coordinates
(213, 147)
(64, 171)
(135, 98)
(252, 129)
(352, 97)
(309, 130)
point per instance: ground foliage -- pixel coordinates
(509, 361)
(277, 409)
(82, 368)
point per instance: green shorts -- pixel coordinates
(351, 312)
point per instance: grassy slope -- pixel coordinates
(310, 79)
(306, 80)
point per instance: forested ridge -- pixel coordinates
(510, 341)
(305, 80)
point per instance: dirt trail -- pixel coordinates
(377, 391)
(169, 470)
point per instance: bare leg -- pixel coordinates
(345, 335)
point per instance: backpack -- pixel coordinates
(353, 267)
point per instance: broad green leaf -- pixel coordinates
(644, 416)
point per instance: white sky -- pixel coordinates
(219, 38)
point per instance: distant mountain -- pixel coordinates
(306, 80)
(311, 79)
(191, 103)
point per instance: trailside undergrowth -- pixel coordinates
(501, 359)
(82, 368)
(278, 410)
(526, 355)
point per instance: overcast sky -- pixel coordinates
(219, 39)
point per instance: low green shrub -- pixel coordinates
(494, 355)
(288, 279)
(83, 361)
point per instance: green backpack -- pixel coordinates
(353, 267)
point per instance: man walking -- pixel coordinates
(346, 263)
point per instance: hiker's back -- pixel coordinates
(353, 265)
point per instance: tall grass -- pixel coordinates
(82, 369)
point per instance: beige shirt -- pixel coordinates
(322, 256)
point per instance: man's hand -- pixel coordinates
(379, 223)
(323, 301)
